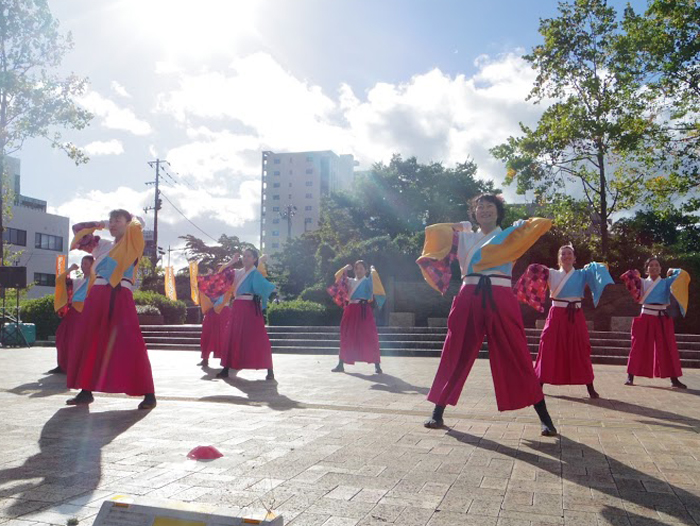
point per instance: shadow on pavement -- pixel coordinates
(605, 475)
(391, 384)
(69, 457)
(258, 392)
(46, 386)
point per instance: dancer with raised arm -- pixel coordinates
(485, 306)
(110, 353)
(247, 344)
(564, 356)
(359, 341)
(654, 352)
(215, 325)
(69, 300)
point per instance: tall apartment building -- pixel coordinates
(293, 185)
(38, 235)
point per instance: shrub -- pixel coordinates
(40, 312)
(147, 310)
(317, 294)
(297, 312)
(174, 312)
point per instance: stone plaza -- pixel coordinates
(349, 449)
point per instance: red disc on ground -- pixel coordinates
(204, 453)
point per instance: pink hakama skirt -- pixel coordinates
(247, 345)
(514, 378)
(654, 352)
(110, 355)
(359, 341)
(214, 332)
(564, 357)
(65, 337)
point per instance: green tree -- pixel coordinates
(665, 41)
(34, 99)
(596, 132)
(211, 257)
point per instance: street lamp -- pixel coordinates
(288, 212)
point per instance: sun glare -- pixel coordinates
(193, 28)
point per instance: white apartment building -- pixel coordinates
(293, 185)
(38, 235)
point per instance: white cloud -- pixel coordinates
(112, 116)
(120, 90)
(113, 147)
(433, 115)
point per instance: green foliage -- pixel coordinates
(40, 312)
(34, 99)
(147, 310)
(211, 257)
(297, 312)
(174, 312)
(596, 133)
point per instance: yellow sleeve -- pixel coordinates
(339, 275)
(60, 299)
(438, 241)
(128, 250)
(679, 289)
(514, 245)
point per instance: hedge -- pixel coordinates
(40, 312)
(174, 312)
(147, 310)
(297, 312)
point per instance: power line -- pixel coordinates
(187, 218)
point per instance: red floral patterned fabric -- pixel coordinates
(340, 292)
(531, 288)
(69, 289)
(215, 285)
(633, 283)
(440, 271)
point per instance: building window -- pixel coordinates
(275, 198)
(277, 161)
(276, 185)
(276, 221)
(308, 220)
(275, 208)
(309, 158)
(291, 159)
(309, 196)
(308, 209)
(291, 172)
(309, 170)
(290, 185)
(49, 242)
(276, 172)
(15, 236)
(309, 183)
(275, 245)
(275, 232)
(45, 280)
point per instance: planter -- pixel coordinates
(150, 319)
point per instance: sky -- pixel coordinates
(210, 84)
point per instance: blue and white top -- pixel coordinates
(248, 283)
(570, 286)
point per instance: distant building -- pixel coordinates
(293, 185)
(38, 235)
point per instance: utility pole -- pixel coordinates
(157, 205)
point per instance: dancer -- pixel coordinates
(69, 299)
(110, 355)
(654, 352)
(247, 345)
(485, 306)
(217, 316)
(564, 356)
(359, 340)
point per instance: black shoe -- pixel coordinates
(270, 375)
(675, 382)
(436, 421)
(83, 398)
(56, 370)
(378, 369)
(592, 392)
(148, 402)
(548, 429)
(223, 373)
(630, 379)
(204, 363)
(338, 368)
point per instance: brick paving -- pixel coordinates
(349, 449)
